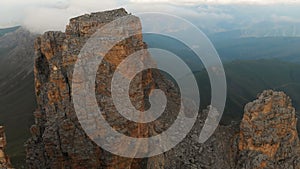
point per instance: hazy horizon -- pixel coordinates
(278, 16)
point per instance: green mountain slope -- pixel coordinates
(283, 48)
(231, 49)
(245, 79)
(17, 96)
(16, 115)
(7, 30)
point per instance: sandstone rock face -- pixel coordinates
(58, 140)
(268, 137)
(4, 159)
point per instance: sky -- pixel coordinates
(217, 15)
(195, 2)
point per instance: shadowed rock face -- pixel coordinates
(267, 138)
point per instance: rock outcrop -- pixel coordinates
(266, 139)
(268, 136)
(4, 159)
(217, 152)
(58, 140)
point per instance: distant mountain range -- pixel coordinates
(17, 101)
(281, 48)
(232, 48)
(8, 30)
(251, 65)
(261, 29)
(247, 78)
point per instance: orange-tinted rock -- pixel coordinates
(268, 136)
(4, 159)
(58, 140)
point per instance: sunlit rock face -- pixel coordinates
(58, 141)
(268, 136)
(4, 159)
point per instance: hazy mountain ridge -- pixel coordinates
(281, 48)
(17, 101)
(16, 60)
(53, 145)
(231, 48)
(245, 78)
(4, 31)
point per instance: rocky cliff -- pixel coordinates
(268, 135)
(58, 140)
(4, 159)
(266, 138)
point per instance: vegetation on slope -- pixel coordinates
(245, 79)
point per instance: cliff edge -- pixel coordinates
(268, 133)
(266, 138)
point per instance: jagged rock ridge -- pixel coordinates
(58, 140)
(266, 139)
(268, 133)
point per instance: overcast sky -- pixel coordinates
(43, 15)
(193, 2)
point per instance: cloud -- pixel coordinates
(197, 2)
(212, 12)
(288, 19)
(41, 15)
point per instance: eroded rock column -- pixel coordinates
(268, 136)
